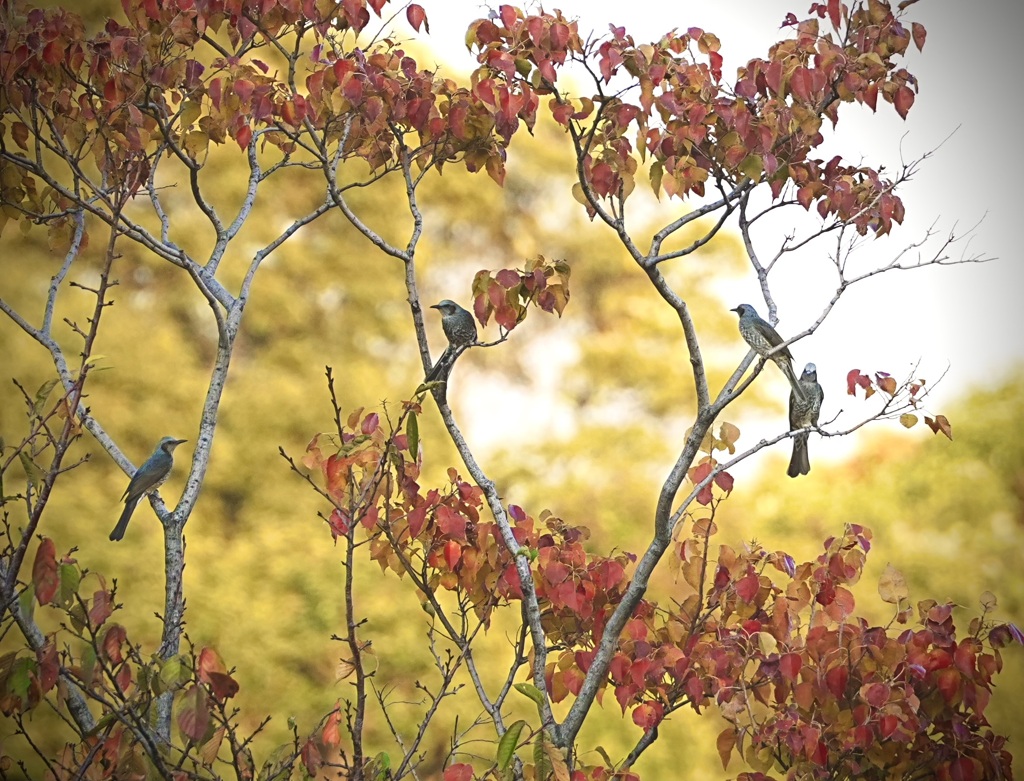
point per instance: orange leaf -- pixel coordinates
(726, 742)
(452, 553)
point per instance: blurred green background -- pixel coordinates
(582, 416)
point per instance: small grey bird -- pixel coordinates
(760, 335)
(150, 476)
(460, 328)
(804, 413)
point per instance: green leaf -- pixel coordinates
(412, 430)
(20, 677)
(70, 578)
(507, 744)
(32, 471)
(542, 764)
(27, 601)
(44, 390)
(173, 673)
(532, 692)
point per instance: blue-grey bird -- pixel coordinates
(804, 413)
(760, 335)
(460, 328)
(150, 476)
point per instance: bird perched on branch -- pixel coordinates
(460, 328)
(804, 413)
(150, 476)
(760, 335)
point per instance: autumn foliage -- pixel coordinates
(93, 128)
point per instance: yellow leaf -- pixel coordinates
(908, 419)
(190, 111)
(892, 586)
(196, 142)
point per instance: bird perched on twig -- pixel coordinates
(150, 476)
(760, 335)
(804, 413)
(460, 328)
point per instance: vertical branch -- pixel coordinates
(522, 562)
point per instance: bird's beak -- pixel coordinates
(180, 441)
(435, 306)
(735, 309)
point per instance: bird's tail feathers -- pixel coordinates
(800, 463)
(798, 389)
(122, 522)
(444, 365)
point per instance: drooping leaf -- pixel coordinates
(507, 744)
(45, 573)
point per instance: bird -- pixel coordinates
(804, 413)
(760, 335)
(460, 328)
(150, 476)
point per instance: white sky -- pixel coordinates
(961, 316)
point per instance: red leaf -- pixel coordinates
(339, 522)
(450, 522)
(243, 89)
(45, 575)
(507, 278)
(963, 769)
(724, 481)
(101, 608)
(802, 84)
(19, 132)
(649, 715)
(903, 100)
(887, 725)
(417, 517)
(311, 758)
(452, 553)
(331, 733)
(459, 772)
(53, 53)
(725, 744)
(223, 685)
(508, 19)
(948, 682)
(870, 96)
(855, 379)
(209, 662)
(370, 423)
(112, 642)
(748, 586)
(790, 665)
(965, 658)
(875, 694)
(919, 33)
(243, 136)
(194, 716)
(834, 13)
(49, 667)
(836, 679)
(417, 16)
(819, 755)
